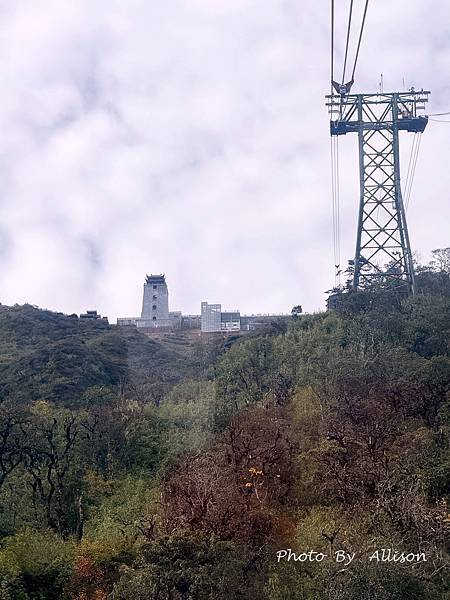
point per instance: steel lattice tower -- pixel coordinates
(383, 252)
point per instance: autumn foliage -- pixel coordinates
(134, 468)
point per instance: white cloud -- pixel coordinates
(191, 137)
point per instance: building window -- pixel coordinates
(154, 318)
(154, 307)
(154, 287)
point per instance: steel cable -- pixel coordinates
(408, 173)
(335, 195)
(332, 45)
(359, 40)
(348, 39)
(413, 171)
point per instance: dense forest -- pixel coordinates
(176, 467)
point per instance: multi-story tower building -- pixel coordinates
(155, 304)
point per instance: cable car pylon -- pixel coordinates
(383, 254)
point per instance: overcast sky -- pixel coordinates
(190, 137)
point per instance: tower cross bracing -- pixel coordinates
(383, 252)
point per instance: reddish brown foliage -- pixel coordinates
(232, 491)
(88, 581)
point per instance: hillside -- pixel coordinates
(171, 467)
(76, 363)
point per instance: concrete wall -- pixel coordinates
(127, 321)
(191, 321)
(250, 322)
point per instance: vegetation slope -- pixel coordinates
(136, 468)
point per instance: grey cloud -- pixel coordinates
(191, 138)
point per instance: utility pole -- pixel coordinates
(383, 252)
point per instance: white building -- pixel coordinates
(213, 320)
(210, 317)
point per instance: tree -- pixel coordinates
(233, 490)
(53, 464)
(42, 564)
(12, 438)
(441, 260)
(191, 566)
(297, 311)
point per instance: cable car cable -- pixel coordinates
(348, 39)
(360, 38)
